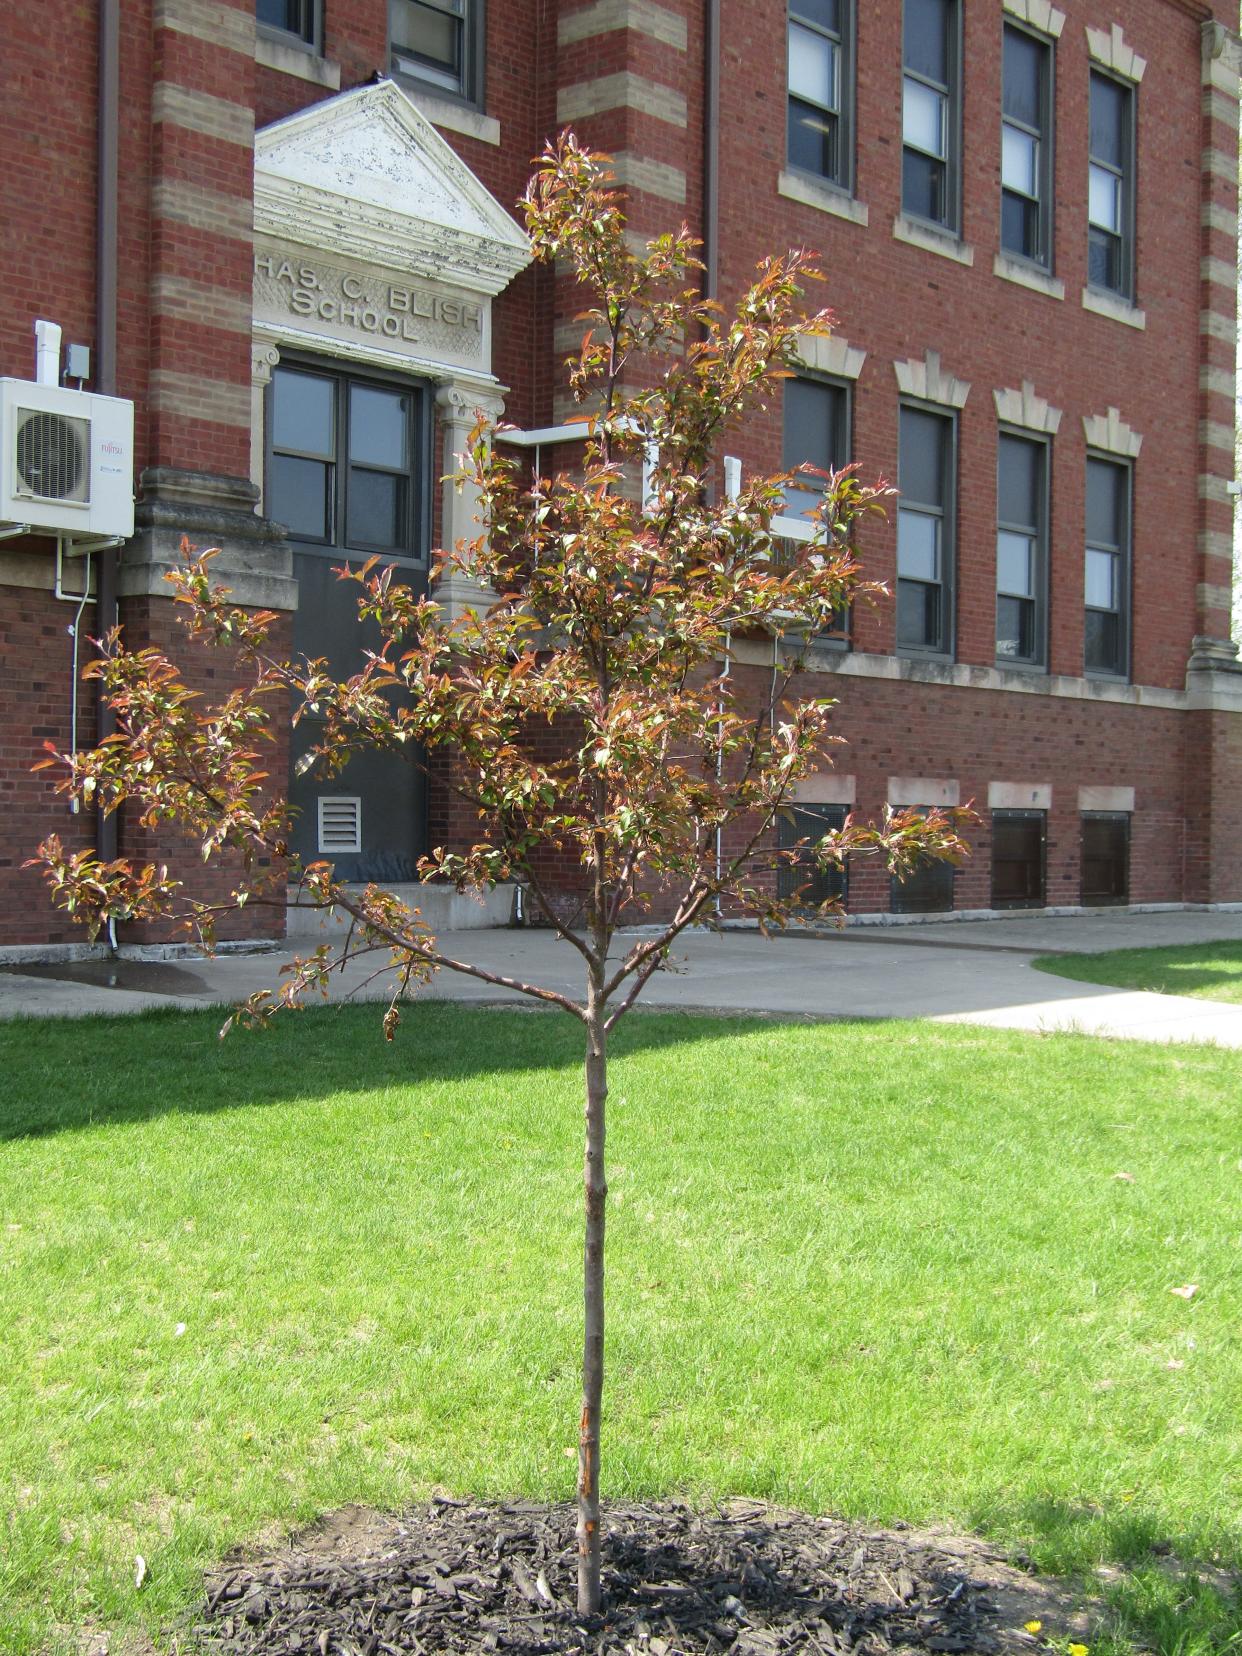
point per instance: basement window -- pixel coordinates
(1019, 859)
(803, 878)
(1105, 859)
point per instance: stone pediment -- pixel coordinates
(366, 175)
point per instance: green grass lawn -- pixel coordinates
(879, 1270)
(1209, 971)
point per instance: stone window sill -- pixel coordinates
(1108, 304)
(824, 197)
(1027, 276)
(290, 59)
(932, 240)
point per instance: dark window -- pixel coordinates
(927, 889)
(820, 88)
(925, 532)
(816, 433)
(344, 462)
(298, 18)
(1105, 859)
(1026, 147)
(929, 111)
(802, 877)
(1110, 203)
(1106, 644)
(1021, 551)
(439, 42)
(1017, 859)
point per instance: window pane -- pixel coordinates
(292, 16)
(918, 616)
(1019, 161)
(918, 545)
(922, 450)
(303, 413)
(1105, 496)
(1101, 579)
(1108, 121)
(1023, 78)
(378, 434)
(298, 495)
(376, 500)
(923, 187)
(827, 13)
(814, 417)
(1019, 482)
(812, 67)
(1015, 629)
(1015, 564)
(429, 37)
(1102, 645)
(1020, 225)
(1104, 199)
(813, 139)
(926, 37)
(923, 118)
(1104, 260)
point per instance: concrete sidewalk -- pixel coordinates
(956, 972)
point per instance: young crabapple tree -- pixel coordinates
(614, 621)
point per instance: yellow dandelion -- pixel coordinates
(1077, 1650)
(1033, 1626)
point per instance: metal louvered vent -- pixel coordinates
(340, 825)
(52, 456)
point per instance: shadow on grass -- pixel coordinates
(1184, 970)
(62, 1075)
(1172, 1594)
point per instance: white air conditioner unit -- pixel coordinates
(66, 460)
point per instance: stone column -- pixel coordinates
(459, 405)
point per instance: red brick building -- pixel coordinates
(287, 239)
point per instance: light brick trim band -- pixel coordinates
(195, 398)
(1110, 433)
(209, 21)
(624, 90)
(641, 16)
(1026, 408)
(656, 178)
(201, 112)
(187, 300)
(928, 381)
(223, 215)
(1108, 47)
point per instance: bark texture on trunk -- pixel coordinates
(596, 1191)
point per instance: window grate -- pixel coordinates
(340, 824)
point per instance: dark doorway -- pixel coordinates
(349, 473)
(1105, 859)
(1018, 859)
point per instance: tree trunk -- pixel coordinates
(596, 1191)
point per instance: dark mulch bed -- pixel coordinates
(748, 1579)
